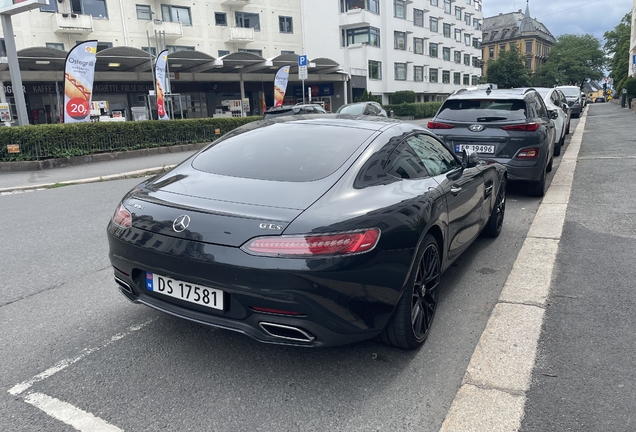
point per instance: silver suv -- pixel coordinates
(512, 127)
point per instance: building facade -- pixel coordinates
(431, 47)
(531, 38)
(632, 44)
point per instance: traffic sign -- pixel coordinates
(605, 79)
(302, 73)
(302, 60)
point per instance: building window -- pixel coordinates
(467, 59)
(285, 24)
(434, 3)
(476, 43)
(176, 14)
(467, 18)
(418, 45)
(252, 51)
(55, 45)
(95, 8)
(447, 30)
(457, 56)
(458, 13)
(399, 9)
(529, 63)
(400, 71)
(51, 7)
(478, 5)
(432, 75)
(223, 53)
(476, 24)
(476, 62)
(370, 5)
(247, 20)
(458, 35)
(175, 48)
(143, 12)
(445, 77)
(101, 46)
(432, 50)
(375, 70)
(528, 46)
(467, 39)
(287, 52)
(373, 6)
(469, 2)
(150, 50)
(400, 40)
(457, 78)
(418, 17)
(447, 6)
(473, 80)
(446, 54)
(433, 24)
(466, 79)
(364, 35)
(418, 73)
(491, 51)
(220, 18)
(502, 47)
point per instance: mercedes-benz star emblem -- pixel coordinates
(181, 223)
(476, 128)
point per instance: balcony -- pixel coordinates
(239, 34)
(71, 23)
(359, 18)
(235, 3)
(172, 30)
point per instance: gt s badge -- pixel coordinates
(270, 226)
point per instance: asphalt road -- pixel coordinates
(139, 369)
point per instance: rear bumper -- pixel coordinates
(519, 170)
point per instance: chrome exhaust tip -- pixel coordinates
(123, 285)
(286, 332)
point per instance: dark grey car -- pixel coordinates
(575, 101)
(512, 127)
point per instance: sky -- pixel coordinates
(567, 16)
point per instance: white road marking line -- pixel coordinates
(67, 413)
(492, 396)
(20, 388)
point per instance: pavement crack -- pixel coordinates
(32, 294)
(533, 304)
(481, 386)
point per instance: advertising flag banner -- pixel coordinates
(79, 74)
(280, 85)
(160, 80)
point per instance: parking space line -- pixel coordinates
(69, 414)
(500, 368)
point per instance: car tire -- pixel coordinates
(548, 167)
(411, 321)
(567, 128)
(493, 227)
(537, 189)
(557, 146)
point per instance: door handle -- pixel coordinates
(455, 190)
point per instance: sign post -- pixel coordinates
(302, 71)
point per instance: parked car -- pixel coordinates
(555, 101)
(512, 127)
(363, 108)
(599, 100)
(573, 96)
(307, 231)
(294, 110)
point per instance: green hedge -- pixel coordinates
(67, 140)
(415, 110)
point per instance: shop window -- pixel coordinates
(400, 71)
(220, 18)
(223, 53)
(55, 45)
(176, 14)
(143, 12)
(95, 8)
(364, 35)
(246, 20)
(285, 24)
(51, 7)
(375, 70)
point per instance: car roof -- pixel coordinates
(491, 93)
(346, 120)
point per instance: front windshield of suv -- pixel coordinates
(571, 91)
(483, 110)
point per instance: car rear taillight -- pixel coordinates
(526, 127)
(311, 245)
(275, 311)
(531, 153)
(122, 217)
(438, 125)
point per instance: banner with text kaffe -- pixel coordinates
(160, 77)
(79, 74)
(280, 85)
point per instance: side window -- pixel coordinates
(540, 107)
(531, 105)
(404, 163)
(433, 154)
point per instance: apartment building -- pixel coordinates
(431, 47)
(219, 50)
(632, 44)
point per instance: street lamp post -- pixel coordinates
(7, 9)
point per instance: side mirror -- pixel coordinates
(565, 107)
(470, 159)
(553, 115)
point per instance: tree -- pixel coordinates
(572, 60)
(403, 96)
(617, 48)
(508, 70)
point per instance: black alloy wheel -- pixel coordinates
(495, 223)
(413, 317)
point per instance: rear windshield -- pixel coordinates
(293, 151)
(352, 109)
(571, 91)
(483, 110)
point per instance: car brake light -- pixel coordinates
(438, 125)
(531, 153)
(528, 127)
(310, 245)
(275, 311)
(122, 217)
